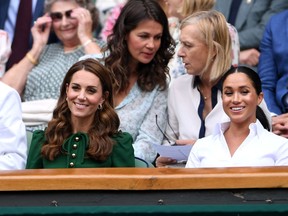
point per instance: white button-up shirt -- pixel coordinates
(260, 148)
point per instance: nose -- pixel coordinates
(150, 43)
(180, 52)
(82, 95)
(235, 98)
(64, 20)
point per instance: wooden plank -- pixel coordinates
(143, 179)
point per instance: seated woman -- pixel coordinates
(245, 140)
(83, 132)
(38, 76)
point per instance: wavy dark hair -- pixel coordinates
(256, 82)
(106, 120)
(88, 4)
(152, 74)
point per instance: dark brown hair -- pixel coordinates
(152, 74)
(106, 120)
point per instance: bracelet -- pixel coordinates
(31, 59)
(87, 42)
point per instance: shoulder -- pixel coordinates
(282, 16)
(182, 81)
(122, 138)
(38, 136)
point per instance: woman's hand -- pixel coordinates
(185, 142)
(165, 161)
(41, 30)
(280, 125)
(84, 24)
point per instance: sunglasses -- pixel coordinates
(57, 16)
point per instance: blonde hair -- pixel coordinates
(191, 6)
(215, 33)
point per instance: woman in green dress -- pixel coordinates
(83, 132)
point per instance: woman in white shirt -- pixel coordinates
(245, 140)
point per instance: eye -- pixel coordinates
(158, 37)
(186, 45)
(75, 87)
(228, 93)
(244, 92)
(143, 36)
(91, 90)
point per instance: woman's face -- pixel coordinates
(240, 99)
(193, 50)
(84, 94)
(65, 28)
(144, 41)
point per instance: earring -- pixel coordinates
(100, 107)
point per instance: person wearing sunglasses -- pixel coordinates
(38, 76)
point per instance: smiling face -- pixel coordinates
(84, 94)
(193, 51)
(144, 41)
(240, 99)
(65, 28)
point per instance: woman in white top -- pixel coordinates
(245, 140)
(194, 99)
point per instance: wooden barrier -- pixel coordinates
(143, 179)
(141, 191)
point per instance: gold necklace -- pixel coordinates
(201, 93)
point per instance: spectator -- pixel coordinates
(273, 71)
(83, 132)
(9, 11)
(244, 141)
(138, 52)
(177, 10)
(39, 74)
(250, 18)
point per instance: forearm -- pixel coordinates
(17, 75)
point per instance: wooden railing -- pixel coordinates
(143, 179)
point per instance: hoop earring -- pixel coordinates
(100, 107)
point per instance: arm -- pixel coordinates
(13, 143)
(16, 77)
(35, 160)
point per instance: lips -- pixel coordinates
(80, 105)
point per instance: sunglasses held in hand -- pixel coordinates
(57, 16)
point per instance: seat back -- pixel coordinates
(142, 163)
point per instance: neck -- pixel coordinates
(70, 46)
(82, 125)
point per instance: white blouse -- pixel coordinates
(260, 148)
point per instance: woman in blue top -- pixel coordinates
(84, 129)
(138, 52)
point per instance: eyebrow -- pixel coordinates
(90, 86)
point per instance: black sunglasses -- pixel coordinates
(57, 16)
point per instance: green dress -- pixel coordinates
(75, 153)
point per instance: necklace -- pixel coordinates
(201, 92)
